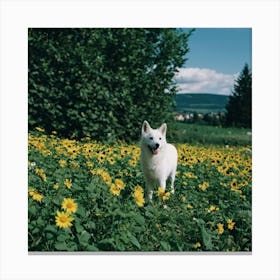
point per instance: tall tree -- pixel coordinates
(239, 107)
(103, 82)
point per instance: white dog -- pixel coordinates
(158, 158)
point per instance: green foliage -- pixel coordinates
(102, 82)
(205, 134)
(239, 107)
(213, 185)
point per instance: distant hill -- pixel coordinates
(200, 102)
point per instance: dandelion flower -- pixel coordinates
(220, 228)
(62, 163)
(230, 224)
(104, 175)
(204, 186)
(40, 129)
(119, 183)
(38, 197)
(162, 194)
(213, 208)
(35, 195)
(68, 183)
(63, 220)
(197, 245)
(69, 205)
(139, 196)
(40, 172)
(115, 190)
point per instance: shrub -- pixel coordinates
(102, 82)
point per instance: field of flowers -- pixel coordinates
(88, 196)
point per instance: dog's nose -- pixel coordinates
(157, 145)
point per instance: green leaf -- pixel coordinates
(84, 237)
(61, 246)
(51, 228)
(140, 219)
(135, 241)
(32, 210)
(206, 238)
(165, 245)
(79, 227)
(62, 237)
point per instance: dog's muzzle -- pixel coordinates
(154, 150)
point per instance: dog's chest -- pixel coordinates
(153, 167)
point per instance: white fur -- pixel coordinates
(158, 158)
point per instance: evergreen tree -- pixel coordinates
(239, 107)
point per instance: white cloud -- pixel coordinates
(202, 80)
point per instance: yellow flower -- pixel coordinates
(40, 129)
(189, 206)
(213, 208)
(115, 190)
(63, 220)
(62, 163)
(132, 162)
(220, 228)
(69, 205)
(68, 183)
(89, 164)
(204, 186)
(119, 183)
(104, 175)
(41, 174)
(111, 160)
(56, 186)
(101, 158)
(139, 196)
(189, 175)
(35, 195)
(233, 185)
(38, 197)
(162, 194)
(230, 224)
(197, 245)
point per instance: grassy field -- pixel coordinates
(89, 196)
(204, 134)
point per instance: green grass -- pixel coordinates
(204, 134)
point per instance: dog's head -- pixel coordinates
(154, 139)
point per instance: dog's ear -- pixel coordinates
(163, 129)
(145, 127)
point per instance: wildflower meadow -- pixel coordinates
(90, 196)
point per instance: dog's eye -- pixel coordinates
(151, 138)
(159, 138)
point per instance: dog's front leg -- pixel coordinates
(150, 191)
(162, 183)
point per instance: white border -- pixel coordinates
(262, 16)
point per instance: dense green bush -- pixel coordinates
(102, 82)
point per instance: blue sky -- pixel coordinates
(216, 57)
